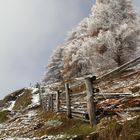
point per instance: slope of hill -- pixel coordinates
(22, 117)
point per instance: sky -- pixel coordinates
(29, 32)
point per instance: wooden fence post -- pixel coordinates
(91, 106)
(57, 101)
(51, 102)
(69, 114)
(48, 102)
(40, 96)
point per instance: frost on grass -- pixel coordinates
(12, 103)
(108, 38)
(35, 98)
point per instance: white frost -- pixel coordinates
(11, 106)
(35, 90)
(35, 99)
(31, 114)
(17, 139)
(12, 103)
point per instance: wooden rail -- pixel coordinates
(86, 102)
(118, 70)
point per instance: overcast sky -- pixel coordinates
(29, 32)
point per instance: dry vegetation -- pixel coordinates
(111, 128)
(3, 116)
(68, 126)
(115, 129)
(24, 100)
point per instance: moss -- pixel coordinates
(4, 116)
(24, 100)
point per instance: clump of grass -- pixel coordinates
(79, 127)
(107, 129)
(24, 100)
(131, 129)
(13, 96)
(69, 127)
(2, 103)
(4, 116)
(128, 130)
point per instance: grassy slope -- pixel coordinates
(24, 100)
(13, 96)
(107, 129)
(68, 126)
(3, 116)
(114, 129)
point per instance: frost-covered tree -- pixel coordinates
(120, 19)
(53, 70)
(108, 38)
(79, 31)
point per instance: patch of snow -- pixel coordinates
(53, 123)
(51, 137)
(12, 103)
(11, 106)
(17, 139)
(21, 94)
(2, 126)
(64, 107)
(35, 90)
(31, 114)
(132, 118)
(35, 99)
(32, 88)
(77, 103)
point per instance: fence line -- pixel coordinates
(85, 101)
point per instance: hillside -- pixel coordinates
(91, 86)
(22, 117)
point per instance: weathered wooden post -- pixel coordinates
(40, 96)
(68, 105)
(42, 101)
(51, 102)
(91, 106)
(48, 102)
(57, 100)
(49, 106)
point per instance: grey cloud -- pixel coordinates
(29, 31)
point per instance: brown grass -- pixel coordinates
(4, 116)
(68, 126)
(128, 130)
(24, 100)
